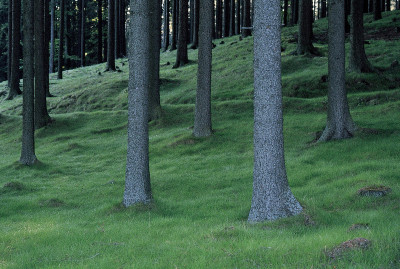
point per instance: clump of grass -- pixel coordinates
(14, 186)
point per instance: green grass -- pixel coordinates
(66, 210)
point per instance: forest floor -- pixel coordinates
(66, 211)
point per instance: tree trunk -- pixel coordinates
(111, 37)
(181, 54)
(70, 36)
(46, 48)
(272, 198)
(175, 22)
(339, 124)
(238, 18)
(16, 50)
(42, 117)
(304, 44)
(218, 19)
(195, 34)
(166, 26)
(61, 43)
(116, 30)
(155, 41)
(202, 121)
(122, 38)
(28, 156)
(377, 10)
(365, 9)
(100, 31)
(246, 28)
(323, 8)
(232, 18)
(137, 179)
(346, 15)
(226, 22)
(9, 47)
(52, 37)
(82, 38)
(285, 12)
(358, 61)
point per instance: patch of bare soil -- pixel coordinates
(356, 243)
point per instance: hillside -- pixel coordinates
(66, 211)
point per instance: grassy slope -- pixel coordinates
(66, 211)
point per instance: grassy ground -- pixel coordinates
(66, 211)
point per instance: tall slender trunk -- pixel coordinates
(9, 47)
(285, 12)
(46, 48)
(166, 26)
(52, 37)
(117, 48)
(181, 54)
(111, 37)
(100, 31)
(238, 18)
(195, 34)
(377, 10)
(218, 19)
(16, 50)
(304, 44)
(28, 156)
(122, 37)
(175, 17)
(226, 23)
(232, 18)
(83, 23)
(246, 28)
(61, 43)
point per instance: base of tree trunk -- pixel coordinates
(28, 160)
(43, 122)
(333, 133)
(13, 94)
(155, 113)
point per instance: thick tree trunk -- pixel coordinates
(272, 198)
(181, 54)
(42, 117)
(202, 120)
(175, 22)
(52, 37)
(218, 19)
(358, 61)
(111, 37)
(339, 124)
(377, 10)
(28, 156)
(16, 50)
(61, 43)
(166, 26)
(246, 28)
(155, 41)
(100, 31)
(137, 179)
(304, 44)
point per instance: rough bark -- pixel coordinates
(295, 12)
(377, 10)
(272, 198)
(155, 41)
(137, 180)
(16, 50)
(61, 43)
(246, 28)
(42, 117)
(195, 34)
(304, 44)
(46, 48)
(52, 37)
(339, 124)
(111, 37)
(166, 26)
(358, 60)
(100, 31)
(202, 121)
(218, 19)
(232, 18)
(28, 156)
(238, 18)
(181, 54)
(122, 37)
(175, 21)
(226, 16)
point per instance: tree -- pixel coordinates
(111, 37)
(232, 18)
(218, 19)
(175, 21)
(323, 8)
(246, 28)
(28, 156)
(15, 55)
(9, 47)
(195, 33)
(137, 179)
(339, 124)
(377, 10)
(166, 26)
(358, 60)
(46, 49)
(272, 198)
(285, 12)
(304, 44)
(238, 18)
(202, 121)
(181, 54)
(52, 36)
(42, 117)
(61, 43)
(226, 15)
(100, 31)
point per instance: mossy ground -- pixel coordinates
(66, 210)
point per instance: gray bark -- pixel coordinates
(52, 37)
(181, 54)
(42, 117)
(28, 156)
(358, 60)
(202, 120)
(137, 181)
(272, 197)
(111, 37)
(15, 56)
(246, 19)
(61, 43)
(339, 124)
